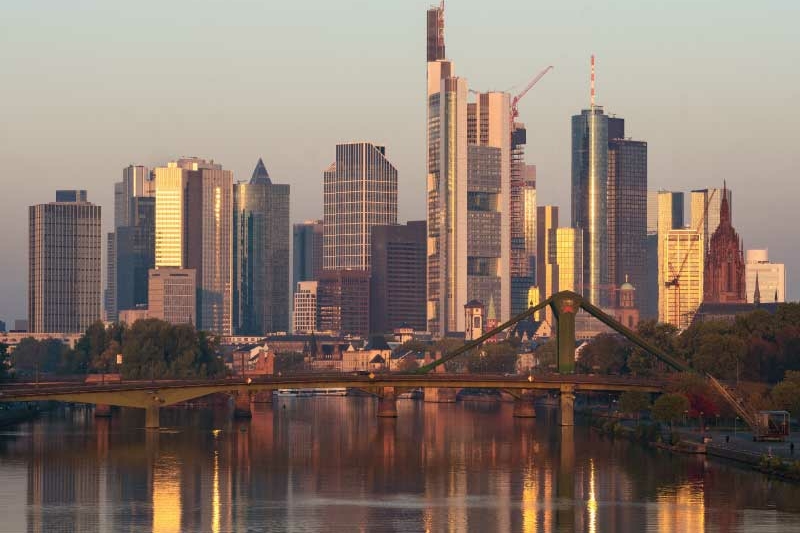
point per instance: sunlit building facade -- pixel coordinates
(705, 206)
(360, 191)
(64, 284)
(305, 307)
(590, 135)
(172, 295)
(771, 277)
(566, 252)
(681, 267)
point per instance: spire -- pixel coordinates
(491, 313)
(724, 208)
(757, 293)
(591, 82)
(260, 174)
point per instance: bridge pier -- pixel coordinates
(566, 410)
(387, 405)
(439, 395)
(102, 410)
(523, 406)
(151, 417)
(242, 405)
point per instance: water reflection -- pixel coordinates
(330, 464)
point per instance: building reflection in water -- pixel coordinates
(330, 464)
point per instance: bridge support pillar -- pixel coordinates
(151, 417)
(566, 410)
(439, 395)
(242, 405)
(523, 406)
(387, 404)
(102, 410)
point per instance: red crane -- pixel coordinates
(517, 98)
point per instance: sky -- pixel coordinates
(90, 86)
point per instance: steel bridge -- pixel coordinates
(152, 395)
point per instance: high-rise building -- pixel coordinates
(680, 275)
(260, 255)
(134, 248)
(136, 183)
(343, 302)
(360, 190)
(705, 211)
(305, 307)
(546, 270)
(627, 215)
(194, 213)
(566, 251)
(724, 275)
(64, 285)
(435, 34)
(669, 215)
(397, 282)
(771, 277)
(172, 295)
(307, 251)
(590, 134)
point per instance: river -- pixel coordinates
(329, 464)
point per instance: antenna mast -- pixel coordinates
(592, 85)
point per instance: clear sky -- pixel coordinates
(89, 86)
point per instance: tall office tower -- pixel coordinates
(566, 251)
(307, 251)
(546, 270)
(488, 203)
(194, 213)
(435, 35)
(627, 214)
(360, 192)
(770, 277)
(724, 275)
(136, 182)
(135, 253)
(305, 307)
(397, 283)
(260, 255)
(705, 211)
(64, 286)
(652, 212)
(343, 302)
(669, 216)
(681, 258)
(523, 222)
(172, 295)
(589, 197)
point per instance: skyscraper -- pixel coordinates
(566, 251)
(546, 270)
(64, 286)
(724, 275)
(589, 197)
(307, 251)
(260, 255)
(138, 244)
(172, 295)
(305, 307)
(360, 192)
(397, 282)
(343, 302)
(627, 214)
(194, 213)
(681, 268)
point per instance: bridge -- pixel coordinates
(151, 396)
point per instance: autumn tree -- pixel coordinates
(670, 407)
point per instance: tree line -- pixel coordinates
(150, 349)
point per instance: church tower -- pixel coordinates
(723, 279)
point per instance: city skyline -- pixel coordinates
(675, 161)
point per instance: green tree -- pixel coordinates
(47, 354)
(634, 402)
(493, 358)
(408, 363)
(721, 355)
(546, 356)
(663, 336)
(670, 407)
(604, 354)
(786, 394)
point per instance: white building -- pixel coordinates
(771, 277)
(305, 307)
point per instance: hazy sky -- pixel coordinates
(89, 86)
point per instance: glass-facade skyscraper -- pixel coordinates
(589, 197)
(307, 251)
(260, 255)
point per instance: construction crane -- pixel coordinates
(675, 280)
(517, 98)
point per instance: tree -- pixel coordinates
(408, 363)
(47, 355)
(670, 407)
(604, 354)
(720, 355)
(786, 394)
(634, 402)
(289, 362)
(663, 336)
(493, 358)
(546, 355)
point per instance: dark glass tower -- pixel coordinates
(260, 255)
(589, 197)
(306, 251)
(627, 215)
(136, 252)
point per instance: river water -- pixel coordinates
(329, 464)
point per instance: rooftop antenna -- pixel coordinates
(592, 84)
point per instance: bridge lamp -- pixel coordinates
(249, 381)
(371, 375)
(530, 378)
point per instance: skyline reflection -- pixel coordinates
(330, 464)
